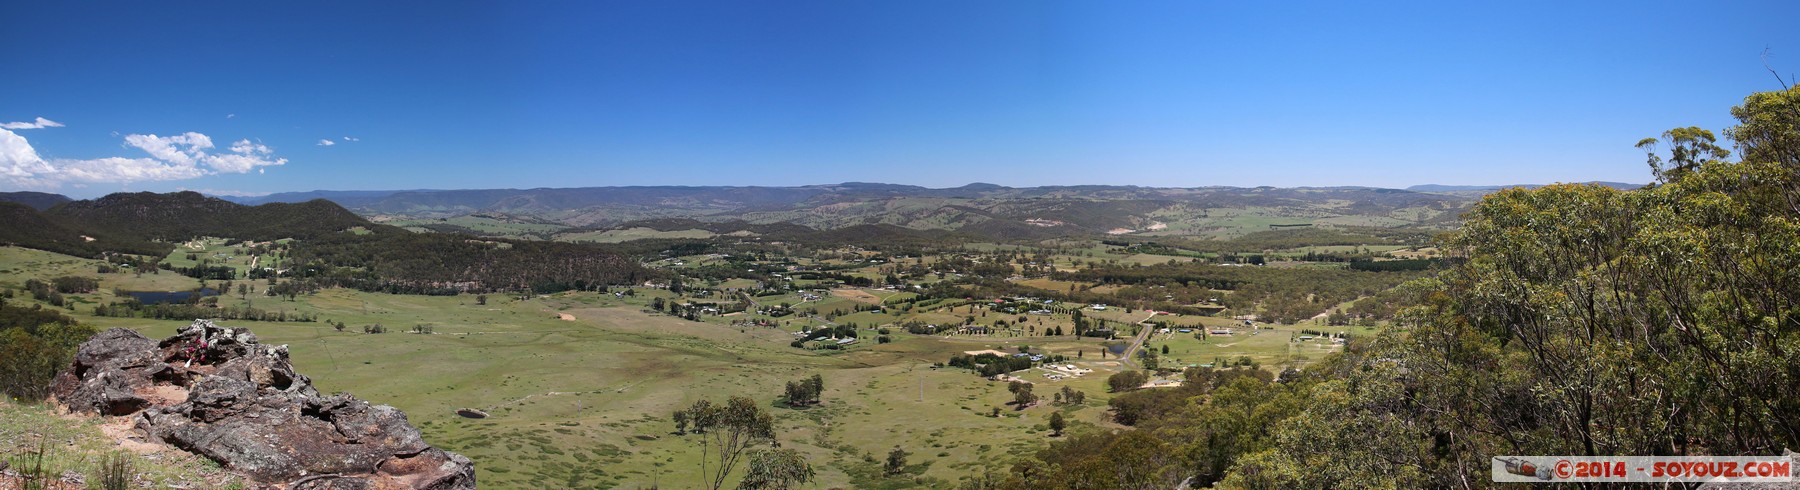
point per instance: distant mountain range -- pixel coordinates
(1491, 188)
(543, 199)
(980, 208)
(856, 208)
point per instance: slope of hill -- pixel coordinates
(185, 215)
(37, 200)
(25, 227)
(338, 247)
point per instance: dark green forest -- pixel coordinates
(34, 344)
(396, 261)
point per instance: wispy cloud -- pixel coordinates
(327, 142)
(352, 138)
(178, 157)
(246, 147)
(184, 149)
(244, 156)
(40, 123)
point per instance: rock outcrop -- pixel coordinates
(217, 392)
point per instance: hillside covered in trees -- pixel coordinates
(331, 246)
(184, 215)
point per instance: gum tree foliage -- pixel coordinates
(1588, 321)
(726, 432)
(896, 461)
(1022, 394)
(805, 391)
(778, 469)
(35, 343)
(1126, 381)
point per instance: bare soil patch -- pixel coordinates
(857, 295)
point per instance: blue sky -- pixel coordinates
(538, 94)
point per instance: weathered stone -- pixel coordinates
(101, 380)
(247, 409)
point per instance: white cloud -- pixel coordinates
(170, 149)
(40, 123)
(348, 138)
(327, 142)
(19, 162)
(248, 148)
(177, 157)
(248, 156)
(232, 115)
(117, 169)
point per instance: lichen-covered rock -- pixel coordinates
(219, 393)
(108, 372)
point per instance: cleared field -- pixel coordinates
(1053, 285)
(1266, 347)
(737, 284)
(18, 265)
(484, 225)
(857, 295)
(217, 252)
(1421, 253)
(629, 234)
(1344, 248)
(586, 402)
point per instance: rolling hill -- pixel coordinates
(37, 200)
(185, 215)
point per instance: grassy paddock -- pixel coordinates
(585, 402)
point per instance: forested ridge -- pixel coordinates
(397, 261)
(333, 246)
(23, 226)
(1584, 320)
(145, 223)
(182, 216)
